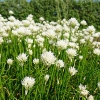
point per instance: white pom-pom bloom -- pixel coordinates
(59, 63)
(39, 39)
(29, 46)
(91, 29)
(61, 44)
(90, 97)
(50, 34)
(12, 18)
(96, 44)
(83, 22)
(30, 52)
(82, 41)
(30, 17)
(22, 58)
(41, 19)
(9, 61)
(80, 57)
(58, 28)
(66, 35)
(98, 85)
(29, 40)
(96, 35)
(26, 22)
(11, 12)
(84, 92)
(82, 87)
(48, 58)
(46, 77)
(96, 51)
(28, 82)
(35, 61)
(73, 45)
(72, 71)
(73, 22)
(71, 52)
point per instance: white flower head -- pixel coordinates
(80, 57)
(61, 44)
(22, 58)
(96, 51)
(71, 52)
(44, 50)
(98, 85)
(28, 82)
(30, 52)
(29, 40)
(59, 63)
(29, 46)
(9, 61)
(72, 71)
(73, 22)
(66, 35)
(50, 34)
(11, 12)
(30, 17)
(82, 87)
(39, 39)
(48, 58)
(91, 29)
(26, 22)
(90, 97)
(82, 41)
(58, 82)
(83, 22)
(84, 93)
(41, 19)
(36, 61)
(83, 90)
(58, 28)
(46, 77)
(96, 35)
(12, 18)
(73, 45)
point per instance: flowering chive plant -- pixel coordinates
(68, 50)
(28, 82)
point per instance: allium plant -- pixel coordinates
(9, 62)
(28, 82)
(83, 90)
(60, 55)
(46, 77)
